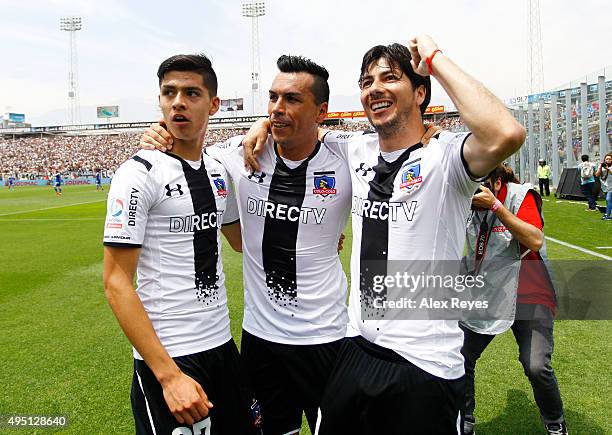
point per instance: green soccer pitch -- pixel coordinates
(63, 353)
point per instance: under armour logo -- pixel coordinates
(260, 177)
(364, 169)
(175, 189)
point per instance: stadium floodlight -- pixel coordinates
(72, 25)
(535, 62)
(254, 10)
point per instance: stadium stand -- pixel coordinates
(77, 156)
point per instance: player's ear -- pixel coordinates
(214, 106)
(421, 93)
(322, 112)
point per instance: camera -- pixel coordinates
(479, 190)
(484, 184)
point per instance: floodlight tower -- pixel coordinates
(254, 10)
(72, 25)
(535, 62)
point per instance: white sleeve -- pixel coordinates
(231, 215)
(455, 165)
(338, 141)
(229, 153)
(129, 201)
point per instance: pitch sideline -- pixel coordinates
(50, 208)
(578, 248)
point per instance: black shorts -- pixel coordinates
(373, 390)
(220, 373)
(287, 380)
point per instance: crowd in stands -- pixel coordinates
(454, 124)
(33, 157)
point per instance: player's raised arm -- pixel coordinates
(496, 135)
(184, 396)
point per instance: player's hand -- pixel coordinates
(186, 399)
(254, 142)
(484, 199)
(421, 48)
(341, 242)
(431, 129)
(156, 137)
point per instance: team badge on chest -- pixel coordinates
(324, 183)
(221, 187)
(411, 177)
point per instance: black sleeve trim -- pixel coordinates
(325, 135)
(230, 223)
(466, 167)
(144, 162)
(121, 245)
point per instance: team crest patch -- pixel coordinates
(411, 177)
(221, 187)
(324, 185)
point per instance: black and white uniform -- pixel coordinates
(292, 215)
(410, 205)
(173, 210)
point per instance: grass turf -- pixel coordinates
(62, 351)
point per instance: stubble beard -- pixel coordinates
(392, 127)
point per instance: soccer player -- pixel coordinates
(292, 211)
(11, 182)
(410, 204)
(99, 181)
(57, 184)
(393, 374)
(165, 215)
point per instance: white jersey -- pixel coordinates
(292, 217)
(160, 203)
(414, 208)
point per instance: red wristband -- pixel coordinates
(429, 60)
(497, 204)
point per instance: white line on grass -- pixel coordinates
(568, 202)
(49, 208)
(578, 248)
(603, 247)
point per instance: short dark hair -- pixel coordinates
(398, 56)
(584, 157)
(295, 64)
(197, 63)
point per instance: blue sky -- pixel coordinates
(123, 42)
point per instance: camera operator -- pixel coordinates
(506, 223)
(603, 172)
